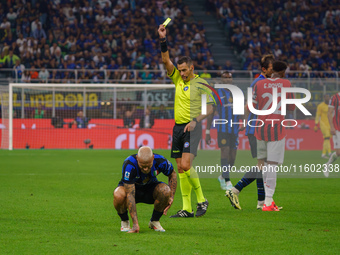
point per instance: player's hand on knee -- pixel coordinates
(168, 206)
(135, 229)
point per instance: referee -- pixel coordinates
(187, 131)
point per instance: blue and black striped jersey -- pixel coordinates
(225, 111)
(131, 172)
(251, 130)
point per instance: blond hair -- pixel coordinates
(145, 153)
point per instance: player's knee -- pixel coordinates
(179, 166)
(163, 191)
(225, 152)
(119, 195)
(185, 166)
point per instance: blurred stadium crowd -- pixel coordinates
(303, 33)
(48, 37)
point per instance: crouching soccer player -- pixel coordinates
(139, 184)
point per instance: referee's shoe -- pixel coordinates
(202, 208)
(183, 214)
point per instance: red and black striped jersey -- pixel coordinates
(268, 127)
(335, 103)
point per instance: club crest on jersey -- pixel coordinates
(186, 88)
(186, 145)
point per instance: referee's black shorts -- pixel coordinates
(253, 145)
(185, 142)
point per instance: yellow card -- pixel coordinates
(166, 22)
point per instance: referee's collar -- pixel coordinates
(196, 76)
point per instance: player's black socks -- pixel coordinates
(156, 215)
(124, 216)
(260, 188)
(225, 164)
(248, 178)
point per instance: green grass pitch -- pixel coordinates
(60, 202)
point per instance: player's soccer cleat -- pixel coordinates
(324, 156)
(260, 205)
(272, 207)
(233, 198)
(223, 183)
(125, 226)
(279, 207)
(182, 214)
(202, 208)
(326, 170)
(155, 225)
(229, 185)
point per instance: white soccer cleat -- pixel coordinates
(223, 183)
(260, 205)
(125, 226)
(326, 171)
(324, 156)
(229, 185)
(155, 225)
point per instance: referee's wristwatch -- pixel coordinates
(194, 119)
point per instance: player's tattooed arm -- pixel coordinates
(172, 182)
(131, 205)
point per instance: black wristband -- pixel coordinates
(164, 46)
(194, 119)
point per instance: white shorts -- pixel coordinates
(272, 151)
(336, 139)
